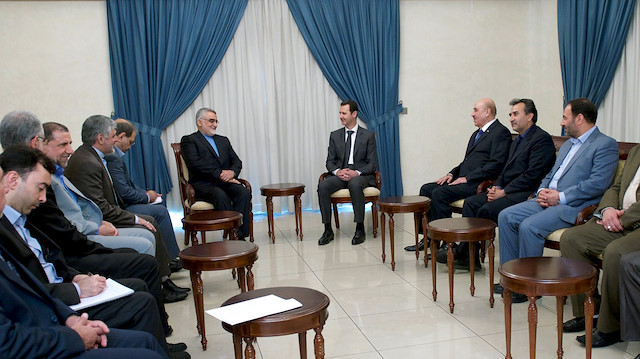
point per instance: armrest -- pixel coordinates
(584, 214)
(484, 185)
(322, 177)
(378, 179)
(245, 183)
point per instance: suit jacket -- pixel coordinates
(485, 158)
(31, 321)
(202, 161)
(86, 171)
(18, 248)
(365, 155)
(84, 214)
(613, 197)
(129, 192)
(588, 175)
(527, 164)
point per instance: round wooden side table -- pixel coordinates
(402, 204)
(463, 229)
(312, 315)
(211, 220)
(217, 256)
(283, 190)
(553, 276)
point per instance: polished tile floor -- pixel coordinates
(375, 312)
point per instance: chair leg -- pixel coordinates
(187, 236)
(374, 213)
(335, 214)
(251, 226)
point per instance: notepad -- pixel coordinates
(113, 291)
(253, 309)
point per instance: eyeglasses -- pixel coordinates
(210, 120)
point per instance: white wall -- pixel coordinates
(54, 61)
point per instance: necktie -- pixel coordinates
(215, 147)
(477, 136)
(347, 150)
(515, 149)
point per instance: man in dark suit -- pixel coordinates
(137, 200)
(214, 168)
(531, 156)
(352, 161)
(484, 159)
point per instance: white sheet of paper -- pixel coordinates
(253, 309)
(113, 291)
(158, 200)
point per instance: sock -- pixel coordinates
(327, 227)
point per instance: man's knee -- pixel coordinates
(427, 188)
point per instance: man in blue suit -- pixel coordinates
(584, 169)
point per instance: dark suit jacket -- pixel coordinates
(614, 196)
(86, 171)
(31, 321)
(129, 192)
(527, 166)
(485, 159)
(365, 155)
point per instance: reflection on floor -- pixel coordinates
(374, 312)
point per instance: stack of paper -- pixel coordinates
(253, 309)
(113, 291)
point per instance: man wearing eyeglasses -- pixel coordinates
(214, 168)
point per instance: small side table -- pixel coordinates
(282, 190)
(312, 315)
(553, 276)
(217, 256)
(463, 229)
(211, 220)
(402, 204)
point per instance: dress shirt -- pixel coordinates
(630, 194)
(487, 125)
(353, 142)
(60, 176)
(212, 143)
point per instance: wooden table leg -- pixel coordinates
(233, 234)
(425, 240)
(270, 225)
(242, 284)
(237, 346)
(194, 237)
(249, 277)
(249, 352)
(433, 267)
(382, 221)
(472, 266)
(506, 294)
(302, 343)
(533, 325)
(492, 252)
(559, 315)
(196, 283)
(588, 326)
(318, 343)
(415, 224)
(450, 264)
(391, 243)
(298, 210)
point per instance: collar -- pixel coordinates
(118, 151)
(522, 136)
(354, 129)
(583, 138)
(14, 217)
(488, 124)
(100, 154)
(59, 171)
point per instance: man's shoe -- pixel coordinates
(170, 296)
(175, 265)
(497, 288)
(359, 237)
(177, 347)
(179, 355)
(600, 339)
(576, 325)
(326, 238)
(464, 264)
(413, 248)
(518, 298)
(168, 331)
(173, 287)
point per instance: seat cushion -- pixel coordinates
(555, 235)
(201, 206)
(344, 193)
(458, 204)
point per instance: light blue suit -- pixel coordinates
(524, 226)
(87, 217)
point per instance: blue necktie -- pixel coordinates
(477, 136)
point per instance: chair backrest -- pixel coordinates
(183, 179)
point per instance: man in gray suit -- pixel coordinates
(584, 169)
(352, 160)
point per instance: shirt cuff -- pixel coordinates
(562, 200)
(334, 172)
(137, 220)
(77, 289)
(359, 172)
(148, 198)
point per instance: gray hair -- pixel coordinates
(18, 128)
(96, 125)
(202, 111)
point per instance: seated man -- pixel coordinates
(629, 287)
(137, 200)
(612, 232)
(214, 168)
(80, 210)
(530, 157)
(352, 161)
(584, 168)
(484, 158)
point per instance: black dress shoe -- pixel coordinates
(464, 264)
(175, 265)
(359, 237)
(413, 248)
(177, 347)
(576, 325)
(497, 288)
(179, 355)
(518, 298)
(170, 296)
(326, 238)
(173, 287)
(168, 331)
(600, 339)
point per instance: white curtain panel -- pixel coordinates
(619, 112)
(273, 103)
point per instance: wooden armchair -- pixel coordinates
(188, 194)
(371, 194)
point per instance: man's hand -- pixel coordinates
(144, 222)
(458, 180)
(227, 175)
(548, 198)
(152, 195)
(494, 193)
(611, 220)
(445, 179)
(92, 332)
(107, 229)
(346, 174)
(90, 285)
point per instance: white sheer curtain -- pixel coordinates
(619, 112)
(273, 103)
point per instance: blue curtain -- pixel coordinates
(163, 52)
(356, 43)
(591, 36)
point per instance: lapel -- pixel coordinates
(482, 137)
(24, 279)
(582, 148)
(203, 142)
(631, 167)
(22, 249)
(357, 143)
(341, 144)
(526, 142)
